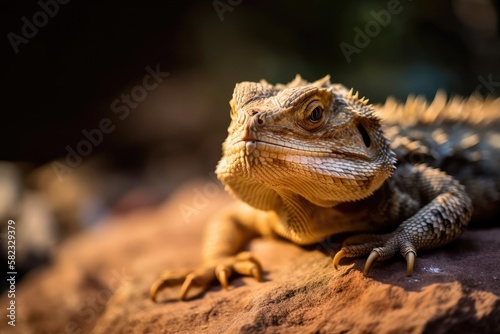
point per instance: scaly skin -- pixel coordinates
(308, 160)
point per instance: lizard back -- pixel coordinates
(460, 136)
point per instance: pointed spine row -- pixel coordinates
(364, 101)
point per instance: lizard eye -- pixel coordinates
(313, 117)
(316, 115)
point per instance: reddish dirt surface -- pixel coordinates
(99, 283)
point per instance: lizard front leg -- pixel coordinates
(444, 213)
(226, 234)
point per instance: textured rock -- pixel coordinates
(99, 283)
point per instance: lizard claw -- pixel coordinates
(167, 279)
(372, 258)
(247, 265)
(410, 261)
(378, 250)
(186, 279)
(223, 274)
(186, 286)
(155, 287)
(388, 251)
(199, 280)
(195, 279)
(339, 256)
(256, 273)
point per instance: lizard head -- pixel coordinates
(315, 140)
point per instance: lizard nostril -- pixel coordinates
(256, 117)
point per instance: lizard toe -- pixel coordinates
(246, 264)
(379, 248)
(195, 283)
(389, 249)
(359, 245)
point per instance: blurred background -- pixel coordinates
(110, 106)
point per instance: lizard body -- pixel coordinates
(460, 137)
(309, 160)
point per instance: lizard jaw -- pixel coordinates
(251, 145)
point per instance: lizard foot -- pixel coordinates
(199, 280)
(379, 248)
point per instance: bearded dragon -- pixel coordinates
(310, 160)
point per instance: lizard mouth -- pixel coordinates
(249, 144)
